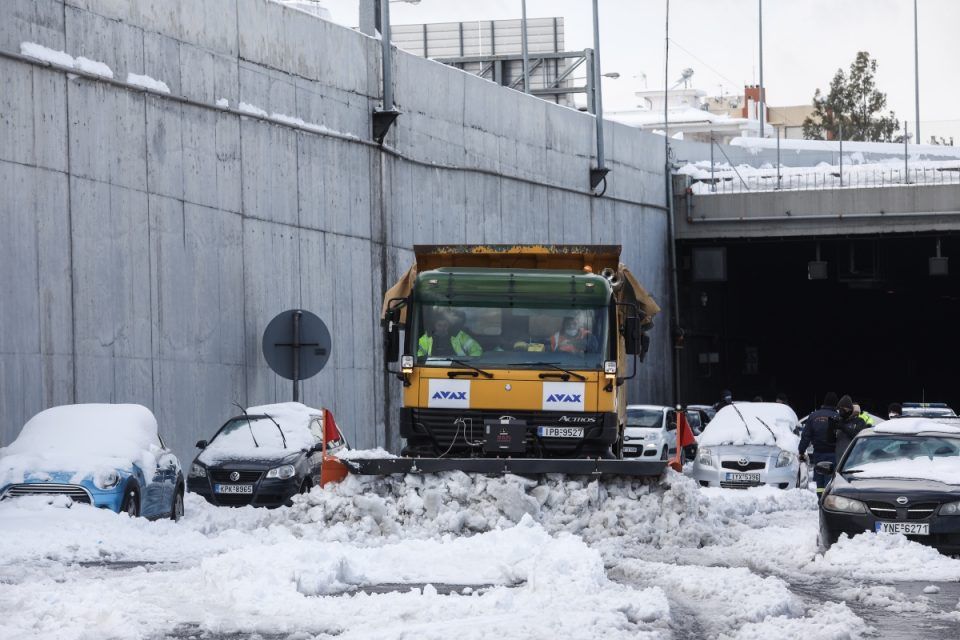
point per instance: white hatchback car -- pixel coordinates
(651, 432)
(749, 444)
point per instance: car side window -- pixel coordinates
(316, 428)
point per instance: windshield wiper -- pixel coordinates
(742, 419)
(853, 471)
(249, 426)
(553, 365)
(283, 437)
(453, 374)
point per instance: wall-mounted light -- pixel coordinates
(817, 269)
(703, 298)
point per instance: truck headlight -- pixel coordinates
(705, 458)
(106, 480)
(785, 459)
(950, 509)
(610, 368)
(847, 505)
(283, 473)
(197, 471)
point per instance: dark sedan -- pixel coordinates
(266, 456)
(903, 476)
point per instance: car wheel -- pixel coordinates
(176, 510)
(131, 504)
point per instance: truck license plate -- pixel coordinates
(233, 488)
(906, 528)
(560, 432)
(743, 477)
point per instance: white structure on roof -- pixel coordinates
(687, 117)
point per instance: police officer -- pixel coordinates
(726, 397)
(819, 430)
(847, 427)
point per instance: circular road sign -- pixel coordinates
(296, 344)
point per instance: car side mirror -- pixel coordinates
(671, 426)
(824, 468)
(201, 444)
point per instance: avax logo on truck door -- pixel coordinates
(563, 396)
(449, 394)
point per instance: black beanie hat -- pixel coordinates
(830, 400)
(846, 402)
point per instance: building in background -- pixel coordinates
(492, 49)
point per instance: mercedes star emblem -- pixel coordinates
(234, 475)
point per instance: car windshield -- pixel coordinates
(497, 337)
(644, 418)
(238, 434)
(905, 456)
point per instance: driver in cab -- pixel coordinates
(444, 338)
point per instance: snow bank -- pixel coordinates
(762, 423)
(886, 557)
(146, 82)
(83, 439)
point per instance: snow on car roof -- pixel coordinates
(81, 438)
(768, 423)
(262, 439)
(914, 426)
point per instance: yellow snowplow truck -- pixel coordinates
(513, 360)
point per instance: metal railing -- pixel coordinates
(748, 179)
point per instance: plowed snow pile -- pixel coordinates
(449, 555)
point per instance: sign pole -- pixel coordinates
(296, 354)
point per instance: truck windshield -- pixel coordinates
(499, 337)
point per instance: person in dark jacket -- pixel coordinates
(895, 410)
(845, 429)
(819, 430)
(726, 397)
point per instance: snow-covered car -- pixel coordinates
(902, 476)
(748, 444)
(651, 431)
(266, 456)
(107, 455)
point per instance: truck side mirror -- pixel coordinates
(644, 345)
(824, 468)
(391, 342)
(632, 335)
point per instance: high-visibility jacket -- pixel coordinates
(462, 344)
(562, 342)
(866, 418)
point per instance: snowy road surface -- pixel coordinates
(460, 557)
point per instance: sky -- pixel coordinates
(805, 42)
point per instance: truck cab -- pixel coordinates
(518, 352)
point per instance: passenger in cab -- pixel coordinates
(573, 338)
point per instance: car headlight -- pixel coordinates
(705, 458)
(950, 509)
(283, 473)
(106, 479)
(785, 459)
(197, 471)
(847, 505)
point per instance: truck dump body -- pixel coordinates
(513, 359)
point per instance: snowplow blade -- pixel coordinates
(518, 466)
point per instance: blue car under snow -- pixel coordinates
(106, 455)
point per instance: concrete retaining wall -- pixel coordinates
(149, 238)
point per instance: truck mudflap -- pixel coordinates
(499, 466)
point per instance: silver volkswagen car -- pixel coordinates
(749, 444)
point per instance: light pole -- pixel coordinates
(916, 69)
(762, 100)
(523, 46)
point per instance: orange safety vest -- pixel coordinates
(563, 342)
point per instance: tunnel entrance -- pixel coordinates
(874, 323)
